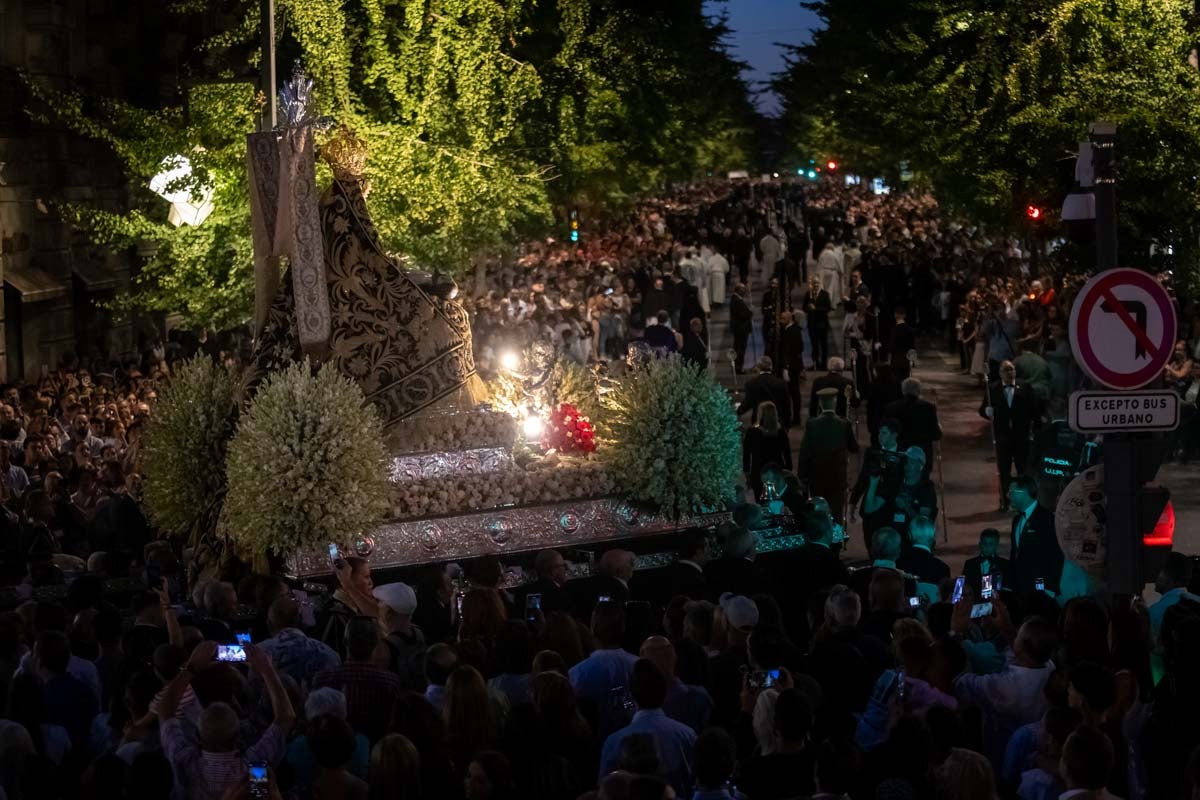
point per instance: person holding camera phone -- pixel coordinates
(897, 505)
(210, 763)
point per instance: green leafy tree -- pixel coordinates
(480, 118)
(989, 99)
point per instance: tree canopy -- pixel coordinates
(484, 121)
(988, 100)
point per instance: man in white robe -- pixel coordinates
(718, 274)
(829, 270)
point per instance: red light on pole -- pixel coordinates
(1163, 534)
(1033, 212)
(832, 165)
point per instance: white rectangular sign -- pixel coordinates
(1113, 412)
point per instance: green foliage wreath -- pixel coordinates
(307, 465)
(672, 438)
(184, 448)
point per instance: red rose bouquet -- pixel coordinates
(569, 432)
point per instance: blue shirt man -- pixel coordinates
(673, 741)
(603, 677)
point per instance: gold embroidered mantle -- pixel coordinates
(409, 351)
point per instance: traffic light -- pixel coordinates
(1139, 519)
(1034, 213)
(574, 226)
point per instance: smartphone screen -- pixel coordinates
(986, 594)
(233, 653)
(959, 582)
(603, 599)
(533, 602)
(997, 583)
(154, 575)
(914, 602)
(243, 638)
(259, 778)
(335, 556)
(1040, 584)
(980, 610)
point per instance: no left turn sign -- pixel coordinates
(1123, 328)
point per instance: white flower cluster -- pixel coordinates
(672, 438)
(548, 481)
(466, 431)
(184, 447)
(307, 465)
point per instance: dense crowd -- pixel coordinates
(727, 674)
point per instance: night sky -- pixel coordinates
(757, 26)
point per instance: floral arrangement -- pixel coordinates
(546, 481)
(469, 430)
(576, 385)
(307, 464)
(185, 442)
(672, 438)
(568, 431)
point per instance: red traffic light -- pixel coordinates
(832, 165)
(1033, 212)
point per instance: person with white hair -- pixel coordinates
(835, 379)
(326, 701)
(210, 762)
(918, 418)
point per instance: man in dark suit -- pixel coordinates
(614, 569)
(551, 583)
(988, 562)
(1011, 409)
(796, 574)
(885, 551)
(817, 305)
(658, 333)
(823, 452)
(655, 299)
(685, 575)
(792, 339)
(1035, 552)
(920, 561)
(918, 420)
(837, 380)
(735, 571)
(763, 387)
(741, 320)
(901, 340)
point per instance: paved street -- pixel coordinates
(970, 480)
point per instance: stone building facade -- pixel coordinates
(56, 283)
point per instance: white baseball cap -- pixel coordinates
(399, 597)
(740, 610)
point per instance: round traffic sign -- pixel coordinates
(1122, 328)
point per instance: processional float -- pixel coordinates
(406, 341)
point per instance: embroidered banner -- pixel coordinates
(286, 222)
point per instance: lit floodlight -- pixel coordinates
(186, 209)
(510, 360)
(533, 427)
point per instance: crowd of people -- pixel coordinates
(726, 674)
